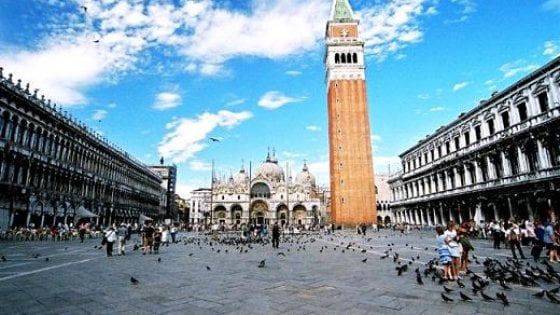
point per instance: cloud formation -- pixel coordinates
(167, 100)
(519, 66)
(274, 100)
(460, 86)
(313, 128)
(552, 5)
(187, 136)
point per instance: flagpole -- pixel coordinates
(212, 195)
(249, 208)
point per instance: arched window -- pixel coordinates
(336, 58)
(355, 58)
(343, 59)
(349, 57)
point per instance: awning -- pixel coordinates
(144, 218)
(82, 212)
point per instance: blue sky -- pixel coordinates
(158, 78)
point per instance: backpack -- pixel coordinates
(513, 236)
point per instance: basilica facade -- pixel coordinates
(268, 196)
(499, 161)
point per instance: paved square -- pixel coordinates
(309, 274)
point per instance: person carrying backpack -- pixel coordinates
(513, 235)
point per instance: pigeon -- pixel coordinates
(214, 139)
(96, 41)
(504, 285)
(447, 289)
(363, 250)
(487, 297)
(552, 297)
(503, 298)
(133, 280)
(364, 260)
(281, 254)
(460, 284)
(84, 8)
(419, 279)
(262, 263)
(208, 268)
(540, 294)
(136, 247)
(65, 248)
(47, 259)
(465, 297)
(446, 298)
(159, 259)
(190, 254)
(4, 258)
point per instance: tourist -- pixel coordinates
(496, 234)
(443, 251)
(538, 242)
(164, 236)
(122, 232)
(466, 245)
(157, 241)
(363, 227)
(275, 235)
(82, 231)
(148, 238)
(173, 233)
(454, 249)
(111, 238)
(513, 235)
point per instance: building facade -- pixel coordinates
(54, 169)
(267, 197)
(498, 161)
(385, 216)
(168, 174)
(351, 163)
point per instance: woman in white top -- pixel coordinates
(454, 249)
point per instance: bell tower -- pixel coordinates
(352, 181)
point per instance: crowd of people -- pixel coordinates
(454, 245)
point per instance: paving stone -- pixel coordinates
(79, 279)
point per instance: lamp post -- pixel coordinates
(212, 196)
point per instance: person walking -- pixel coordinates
(463, 235)
(122, 232)
(443, 251)
(275, 235)
(513, 235)
(549, 240)
(454, 249)
(111, 237)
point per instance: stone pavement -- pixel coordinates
(309, 277)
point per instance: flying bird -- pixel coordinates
(134, 280)
(213, 139)
(84, 8)
(96, 41)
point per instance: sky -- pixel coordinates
(161, 77)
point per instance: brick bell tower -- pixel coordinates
(351, 162)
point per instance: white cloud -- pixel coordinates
(187, 136)
(551, 48)
(460, 86)
(275, 99)
(437, 109)
(66, 62)
(519, 66)
(198, 165)
(293, 73)
(376, 138)
(167, 100)
(112, 105)
(313, 128)
(236, 102)
(382, 164)
(99, 114)
(552, 5)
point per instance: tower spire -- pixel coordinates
(341, 11)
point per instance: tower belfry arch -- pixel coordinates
(352, 180)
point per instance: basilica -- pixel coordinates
(268, 196)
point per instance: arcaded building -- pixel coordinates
(266, 195)
(350, 156)
(54, 169)
(499, 161)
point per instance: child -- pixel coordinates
(444, 255)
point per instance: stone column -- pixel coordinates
(478, 171)
(443, 220)
(544, 161)
(468, 178)
(491, 168)
(435, 216)
(530, 209)
(523, 164)
(510, 207)
(457, 177)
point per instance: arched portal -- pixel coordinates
(299, 215)
(258, 212)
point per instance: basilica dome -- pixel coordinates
(305, 178)
(270, 169)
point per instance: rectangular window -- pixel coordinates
(491, 129)
(425, 157)
(447, 148)
(457, 143)
(439, 151)
(432, 154)
(505, 119)
(543, 102)
(467, 138)
(477, 133)
(522, 110)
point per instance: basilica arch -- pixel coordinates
(258, 212)
(236, 213)
(220, 214)
(282, 212)
(300, 214)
